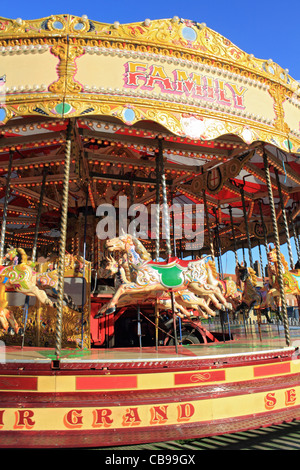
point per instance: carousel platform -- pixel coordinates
(121, 396)
(245, 343)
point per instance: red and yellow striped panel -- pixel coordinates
(61, 383)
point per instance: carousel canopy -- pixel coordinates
(123, 88)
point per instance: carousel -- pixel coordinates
(133, 158)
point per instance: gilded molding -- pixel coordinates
(66, 69)
(184, 44)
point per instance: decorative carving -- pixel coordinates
(66, 68)
(279, 95)
(178, 41)
(214, 179)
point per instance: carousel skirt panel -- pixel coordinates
(92, 402)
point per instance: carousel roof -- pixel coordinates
(214, 107)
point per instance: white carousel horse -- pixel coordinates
(156, 278)
(184, 301)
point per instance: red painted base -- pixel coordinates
(102, 399)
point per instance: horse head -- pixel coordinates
(129, 244)
(122, 243)
(11, 254)
(272, 256)
(111, 265)
(242, 271)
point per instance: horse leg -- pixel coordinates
(222, 299)
(39, 294)
(201, 292)
(3, 300)
(202, 303)
(14, 324)
(3, 319)
(164, 304)
(132, 289)
(201, 312)
(192, 301)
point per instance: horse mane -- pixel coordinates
(140, 249)
(284, 262)
(23, 254)
(253, 276)
(213, 268)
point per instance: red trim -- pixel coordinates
(274, 369)
(181, 262)
(18, 383)
(106, 382)
(199, 377)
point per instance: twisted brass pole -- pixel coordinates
(166, 217)
(261, 262)
(62, 245)
(165, 207)
(4, 217)
(277, 245)
(233, 236)
(157, 206)
(286, 228)
(247, 227)
(38, 218)
(295, 235)
(263, 226)
(211, 243)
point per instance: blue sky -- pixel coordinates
(269, 29)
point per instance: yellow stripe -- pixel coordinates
(64, 384)
(117, 417)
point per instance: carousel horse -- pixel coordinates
(254, 296)
(227, 287)
(48, 280)
(9, 323)
(7, 318)
(114, 268)
(291, 279)
(184, 301)
(19, 276)
(157, 278)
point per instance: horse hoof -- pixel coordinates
(110, 310)
(11, 331)
(21, 332)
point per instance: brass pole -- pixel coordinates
(286, 228)
(4, 218)
(62, 245)
(296, 241)
(233, 235)
(167, 226)
(247, 227)
(38, 218)
(157, 240)
(263, 226)
(277, 245)
(33, 259)
(157, 206)
(212, 251)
